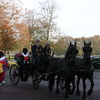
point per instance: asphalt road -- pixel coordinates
(25, 91)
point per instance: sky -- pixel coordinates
(77, 18)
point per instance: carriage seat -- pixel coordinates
(17, 58)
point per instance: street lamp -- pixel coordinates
(30, 44)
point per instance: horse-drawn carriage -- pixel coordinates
(64, 69)
(38, 71)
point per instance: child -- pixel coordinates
(5, 64)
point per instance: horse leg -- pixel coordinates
(92, 85)
(67, 88)
(51, 82)
(73, 86)
(57, 85)
(77, 90)
(84, 89)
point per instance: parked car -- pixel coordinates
(96, 61)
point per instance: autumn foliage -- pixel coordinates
(13, 32)
(7, 39)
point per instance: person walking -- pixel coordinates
(4, 63)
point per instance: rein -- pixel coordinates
(83, 70)
(52, 72)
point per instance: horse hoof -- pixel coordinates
(66, 99)
(89, 92)
(58, 95)
(78, 93)
(71, 92)
(51, 92)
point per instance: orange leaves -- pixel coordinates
(23, 31)
(9, 16)
(6, 36)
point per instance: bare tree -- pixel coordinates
(41, 22)
(48, 15)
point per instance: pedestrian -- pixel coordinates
(1, 74)
(5, 65)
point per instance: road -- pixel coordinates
(25, 91)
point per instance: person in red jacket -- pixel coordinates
(1, 74)
(5, 65)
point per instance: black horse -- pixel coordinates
(63, 67)
(84, 70)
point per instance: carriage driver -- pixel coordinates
(37, 51)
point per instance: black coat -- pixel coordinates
(36, 49)
(47, 51)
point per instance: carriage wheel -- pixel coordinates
(14, 74)
(35, 80)
(62, 83)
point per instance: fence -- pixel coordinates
(10, 56)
